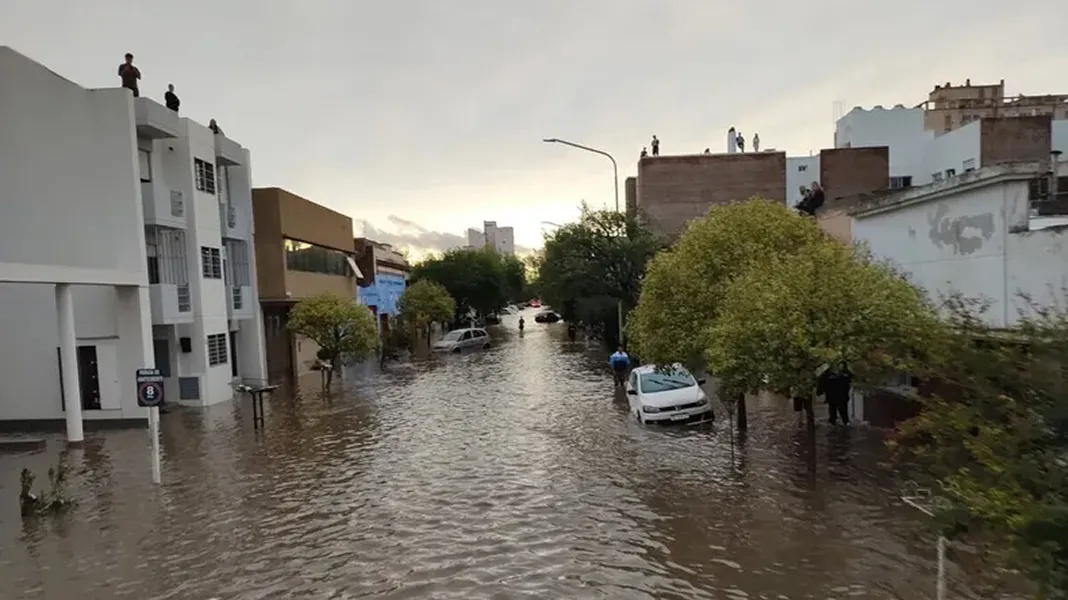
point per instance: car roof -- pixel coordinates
(643, 369)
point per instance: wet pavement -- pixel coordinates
(509, 473)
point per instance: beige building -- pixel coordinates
(949, 107)
(302, 249)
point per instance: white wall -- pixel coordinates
(899, 128)
(29, 374)
(962, 243)
(1059, 137)
(69, 183)
(950, 150)
(800, 171)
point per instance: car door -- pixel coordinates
(479, 338)
(465, 340)
(632, 399)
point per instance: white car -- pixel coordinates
(667, 395)
(458, 339)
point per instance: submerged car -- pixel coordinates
(459, 339)
(667, 395)
(546, 316)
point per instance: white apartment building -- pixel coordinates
(125, 242)
(993, 234)
(501, 239)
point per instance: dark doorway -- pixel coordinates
(233, 354)
(89, 377)
(278, 343)
(162, 350)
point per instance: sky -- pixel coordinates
(421, 118)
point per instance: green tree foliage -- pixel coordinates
(341, 327)
(992, 440)
(825, 304)
(423, 303)
(515, 278)
(588, 266)
(474, 277)
(685, 286)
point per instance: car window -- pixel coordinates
(452, 336)
(466, 336)
(652, 383)
(479, 334)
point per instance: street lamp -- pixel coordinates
(615, 181)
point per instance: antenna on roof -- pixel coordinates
(837, 110)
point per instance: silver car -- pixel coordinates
(459, 339)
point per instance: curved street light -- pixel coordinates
(615, 181)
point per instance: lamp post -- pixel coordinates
(615, 181)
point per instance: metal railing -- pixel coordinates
(185, 303)
(236, 298)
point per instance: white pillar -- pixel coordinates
(134, 321)
(68, 358)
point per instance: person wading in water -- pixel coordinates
(522, 324)
(619, 362)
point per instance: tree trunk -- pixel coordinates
(810, 414)
(743, 414)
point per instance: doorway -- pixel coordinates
(233, 354)
(89, 377)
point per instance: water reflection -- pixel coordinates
(509, 473)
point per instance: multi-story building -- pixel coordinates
(949, 107)
(501, 239)
(302, 249)
(124, 244)
(385, 277)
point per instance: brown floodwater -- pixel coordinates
(509, 473)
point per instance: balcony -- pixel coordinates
(155, 122)
(228, 152)
(170, 303)
(163, 206)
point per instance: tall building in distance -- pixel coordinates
(501, 239)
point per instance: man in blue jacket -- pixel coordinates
(620, 362)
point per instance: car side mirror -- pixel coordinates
(632, 392)
(701, 381)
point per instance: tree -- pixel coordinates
(342, 328)
(423, 303)
(992, 438)
(473, 277)
(777, 324)
(515, 278)
(587, 267)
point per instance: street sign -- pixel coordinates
(149, 388)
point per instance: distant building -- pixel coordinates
(950, 107)
(385, 277)
(501, 239)
(302, 249)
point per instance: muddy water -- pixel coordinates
(510, 473)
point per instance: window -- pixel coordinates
(144, 163)
(210, 262)
(1038, 189)
(968, 165)
(152, 252)
(165, 249)
(902, 181)
(237, 264)
(205, 175)
(950, 173)
(654, 382)
(302, 256)
(949, 122)
(466, 336)
(217, 354)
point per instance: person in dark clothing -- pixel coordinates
(171, 99)
(130, 75)
(644, 153)
(214, 127)
(741, 142)
(656, 146)
(572, 331)
(812, 201)
(835, 385)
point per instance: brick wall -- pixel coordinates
(1014, 139)
(849, 171)
(671, 190)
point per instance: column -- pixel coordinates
(134, 324)
(68, 358)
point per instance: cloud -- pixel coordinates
(417, 240)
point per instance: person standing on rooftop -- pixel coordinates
(130, 75)
(171, 99)
(656, 146)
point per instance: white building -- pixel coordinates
(980, 234)
(124, 243)
(501, 239)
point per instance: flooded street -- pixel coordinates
(510, 473)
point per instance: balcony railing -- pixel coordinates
(236, 298)
(185, 303)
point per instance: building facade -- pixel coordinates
(501, 239)
(121, 247)
(302, 249)
(385, 277)
(994, 234)
(949, 107)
